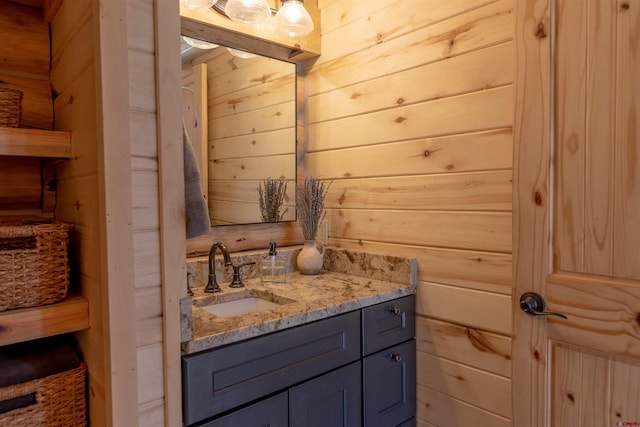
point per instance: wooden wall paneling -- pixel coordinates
(626, 256)
(393, 21)
(37, 100)
(50, 9)
(148, 316)
(393, 125)
(485, 68)
(20, 183)
(268, 143)
(150, 362)
(24, 61)
(482, 310)
(200, 135)
(488, 231)
(23, 26)
(251, 168)
(145, 200)
(463, 344)
(460, 34)
(263, 120)
(431, 119)
(438, 409)
(455, 191)
(460, 152)
(171, 205)
(118, 65)
(476, 387)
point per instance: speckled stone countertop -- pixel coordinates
(350, 281)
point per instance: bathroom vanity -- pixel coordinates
(333, 350)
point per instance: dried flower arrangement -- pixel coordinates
(310, 206)
(272, 192)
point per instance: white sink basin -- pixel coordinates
(240, 306)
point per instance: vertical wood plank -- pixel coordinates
(201, 133)
(570, 106)
(625, 393)
(627, 146)
(600, 132)
(171, 191)
(117, 229)
(530, 202)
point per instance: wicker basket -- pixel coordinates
(34, 267)
(10, 107)
(59, 401)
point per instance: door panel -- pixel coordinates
(577, 212)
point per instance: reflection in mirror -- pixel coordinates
(246, 111)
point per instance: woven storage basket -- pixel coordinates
(34, 267)
(60, 401)
(10, 107)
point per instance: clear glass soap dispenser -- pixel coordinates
(272, 270)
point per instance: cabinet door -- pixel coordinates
(390, 386)
(334, 399)
(272, 412)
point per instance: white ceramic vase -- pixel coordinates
(310, 258)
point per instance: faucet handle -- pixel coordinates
(237, 281)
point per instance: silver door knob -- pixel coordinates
(533, 304)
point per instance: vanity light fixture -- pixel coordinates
(240, 53)
(293, 19)
(198, 4)
(199, 44)
(248, 11)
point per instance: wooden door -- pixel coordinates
(577, 212)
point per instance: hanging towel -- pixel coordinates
(196, 212)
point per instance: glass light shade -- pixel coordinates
(240, 53)
(199, 44)
(293, 19)
(198, 4)
(248, 11)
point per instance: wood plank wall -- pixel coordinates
(410, 115)
(110, 191)
(73, 78)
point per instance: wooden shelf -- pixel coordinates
(34, 142)
(24, 324)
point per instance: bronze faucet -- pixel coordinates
(212, 285)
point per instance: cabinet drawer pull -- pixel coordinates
(396, 357)
(395, 310)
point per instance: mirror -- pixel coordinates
(240, 113)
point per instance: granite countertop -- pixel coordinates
(351, 281)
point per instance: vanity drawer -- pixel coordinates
(272, 412)
(387, 324)
(221, 379)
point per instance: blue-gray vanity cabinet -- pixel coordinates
(389, 363)
(389, 385)
(271, 412)
(355, 369)
(225, 378)
(334, 399)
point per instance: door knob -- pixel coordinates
(533, 304)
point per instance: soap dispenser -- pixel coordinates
(272, 270)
